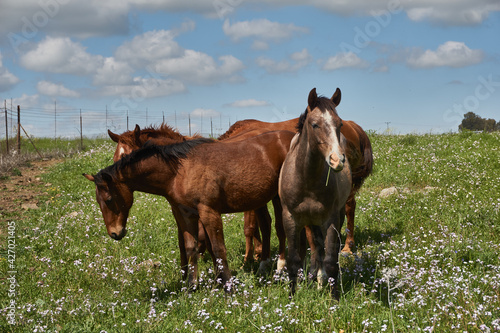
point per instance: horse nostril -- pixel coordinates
(114, 235)
(343, 158)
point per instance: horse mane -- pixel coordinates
(235, 127)
(323, 103)
(172, 154)
(152, 132)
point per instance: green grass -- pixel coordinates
(49, 146)
(427, 259)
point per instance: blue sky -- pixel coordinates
(408, 65)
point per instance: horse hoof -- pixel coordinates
(264, 267)
(281, 264)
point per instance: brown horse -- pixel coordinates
(201, 176)
(314, 185)
(358, 151)
(133, 140)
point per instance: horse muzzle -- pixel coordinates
(336, 162)
(119, 235)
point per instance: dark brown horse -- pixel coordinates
(314, 185)
(358, 152)
(200, 176)
(163, 135)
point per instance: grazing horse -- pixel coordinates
(204, 177)
(133, 140)
(358, 152)
(314, 185)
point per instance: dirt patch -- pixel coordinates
(20, 192)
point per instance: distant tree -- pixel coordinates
(490, 125)
(471, 122)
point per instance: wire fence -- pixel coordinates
(65, 123)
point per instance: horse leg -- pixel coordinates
(280, 232)
(249, 228)
(332, 245)
(350, 207)
(179, 220)
(316, 241)
(265, 222)
(293, 260)
(190, 236)
(212, 222)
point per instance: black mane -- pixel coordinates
(323, 103)
(172, 154)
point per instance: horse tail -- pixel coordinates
(365, 169)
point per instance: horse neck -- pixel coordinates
(151, 175)
(309, 159)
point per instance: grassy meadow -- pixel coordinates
(427, 256)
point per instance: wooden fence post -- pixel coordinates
(6, 129)
(19, 129)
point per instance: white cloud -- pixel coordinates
(27, 101)
(141, 88)
(443, 12)
(200, 68)
(344, 60)
(7, 79)
(247, 103)
(113, 72)
(23, 21)
(296, 62)
(204, 113)
(457, 13)
(261, 29)
(55, 90)
(451, 54)
(149, 47)
(61, 55)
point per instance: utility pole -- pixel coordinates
(387, 123)
(127, 120)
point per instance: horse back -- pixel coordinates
(233, 176)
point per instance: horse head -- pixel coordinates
(127, 142)
(115, 200)
(322, 121)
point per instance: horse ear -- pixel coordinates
(137, 133)
(336, 97)
(311, 101)
(113, 136)
(89, 177)
(106, 177)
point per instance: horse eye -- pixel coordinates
(314, 125)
